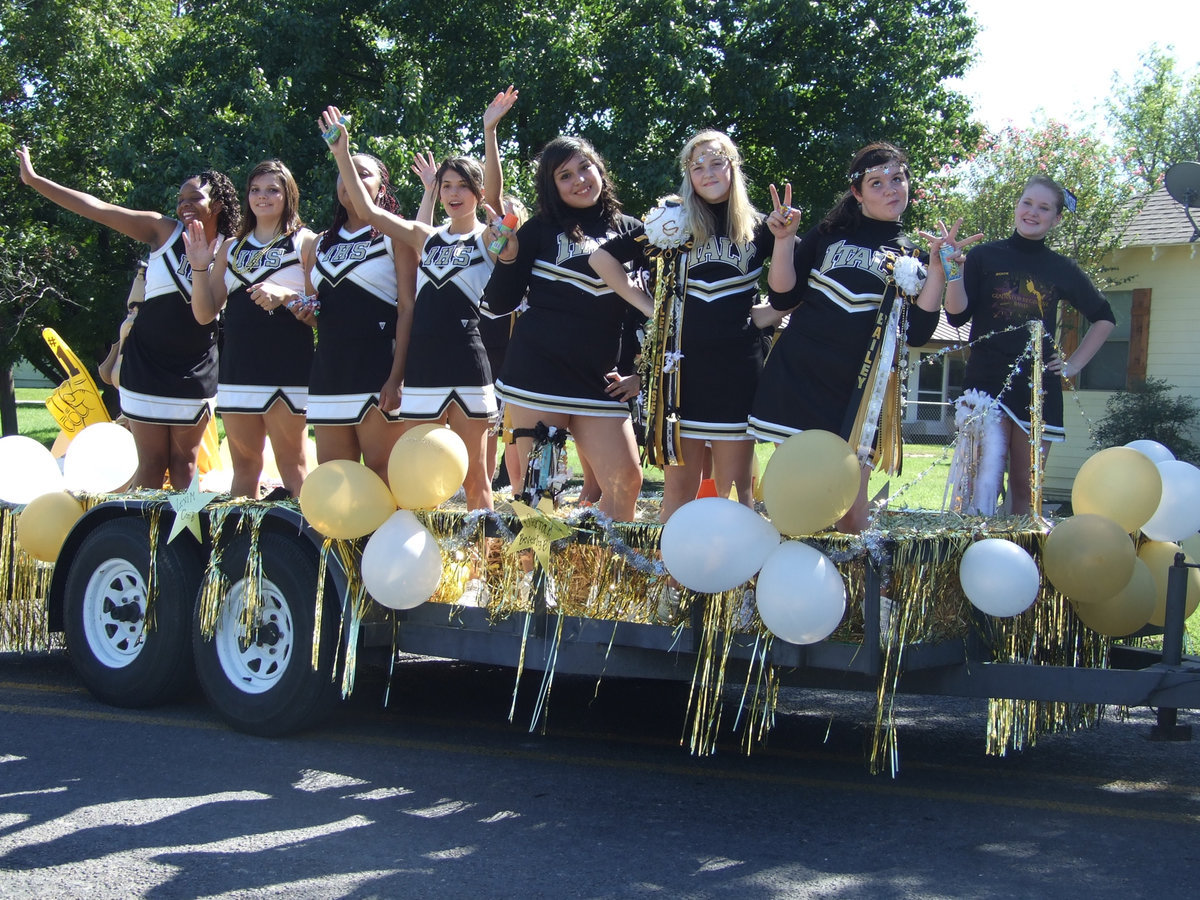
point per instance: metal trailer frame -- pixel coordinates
(958, 667)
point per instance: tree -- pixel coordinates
(1156, 116)
(70, 74)
(982, 183)
(1151, 410)
(127, 99)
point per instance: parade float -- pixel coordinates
(274, 606)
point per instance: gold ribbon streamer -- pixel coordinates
(663, 445)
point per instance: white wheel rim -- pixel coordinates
(256, 663)
(114, 613)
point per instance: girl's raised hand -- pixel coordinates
(27, 173)
(200, 251)
(425, 168)
(784, 219)
(331, 120)
(499, 107)
(949, 237)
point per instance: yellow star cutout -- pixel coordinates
(187, 506)
(538, 530)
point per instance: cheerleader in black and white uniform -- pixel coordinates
(560, 366)
(719, 348)
(169, 360)
(266, 351)
(365, 289)
(446, 376)
(834, 284)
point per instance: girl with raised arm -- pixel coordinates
(169, 359)
(266, 351)
(847, 319)
(445, 377)
(365, 289)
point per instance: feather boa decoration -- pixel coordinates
(973, 483)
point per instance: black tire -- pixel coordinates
(267, 686)
(122, 660)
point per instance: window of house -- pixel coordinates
(1109, 368)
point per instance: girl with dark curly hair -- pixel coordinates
(169, 360)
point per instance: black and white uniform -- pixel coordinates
(721, 347)
(169, 360)
(355, 280)
(1012, 282)
(265, 354)
(810, 375)
(446, 360)
(569, 338)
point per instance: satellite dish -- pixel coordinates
(1183, 184)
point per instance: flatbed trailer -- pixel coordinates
(273, 621)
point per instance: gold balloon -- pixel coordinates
(1159, 556)
(1128, 611)
(344, 499)
(427, 469)
(811, 481)
(1120, 483)
(419, 431)
(1088, 558)
(45, 523)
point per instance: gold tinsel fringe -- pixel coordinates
(26, 583)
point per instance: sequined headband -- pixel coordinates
(883, 168)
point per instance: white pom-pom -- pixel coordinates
(665, 225)
(909, 275)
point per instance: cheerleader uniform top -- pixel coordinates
(569, 338)
(355, 281)
(811, 373)
(445, 348)
(1011, 282)
(265, 348)
(721, 347)
(168, 353)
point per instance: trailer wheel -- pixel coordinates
(264, 683)
(123, 659)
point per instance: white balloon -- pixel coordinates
(714, 544)
(1153, 449)
(999, 577)
(27, 470)
(1178, 513)
(800, 594)
(402, 562)
(100, 459)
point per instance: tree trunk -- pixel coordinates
(8, 403)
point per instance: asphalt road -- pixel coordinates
(438, 795)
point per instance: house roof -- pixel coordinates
(948, 333)
(1160, 221)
